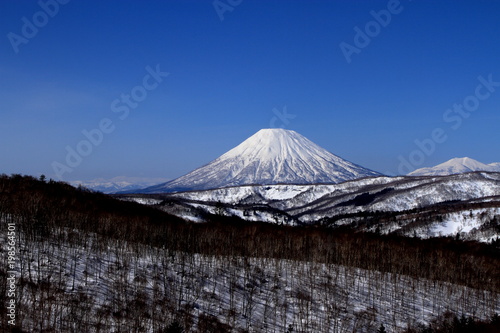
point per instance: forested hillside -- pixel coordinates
(87, 260)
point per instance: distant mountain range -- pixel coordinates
(456, 166)
(270, 156)
(117, 184)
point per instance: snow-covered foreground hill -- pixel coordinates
(73, 282)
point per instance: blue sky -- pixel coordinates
(232, 67)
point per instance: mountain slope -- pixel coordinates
(270, 156)
(495, 166)
(456, 166)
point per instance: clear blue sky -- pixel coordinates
(227, 76)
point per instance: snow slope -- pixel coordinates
(310, 204)
(454, 166)
(270, 156)
(495, 166)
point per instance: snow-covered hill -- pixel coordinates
(495, 166)
(462, 203)
(117, 184)
(270, 156)
(454, 166)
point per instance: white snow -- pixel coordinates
(495, 166)
(143, 201)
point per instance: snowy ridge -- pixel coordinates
(270, 156)
(455, 166)
(495, 166)
(310, 204)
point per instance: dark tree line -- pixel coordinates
(450, 323)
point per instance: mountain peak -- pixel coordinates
(271, 143)
(273, 130)
(270, 156)
(275, 133)
(462, 160)
(454, 166)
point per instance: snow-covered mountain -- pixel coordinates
(495, 166)
(270, 156)
(455, 166)
(117, 184)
